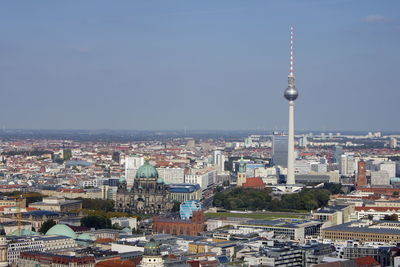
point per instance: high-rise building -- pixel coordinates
(393, 142)
(361, 174)
(219, 161)
(291, 95)
(347, 164)
(337, 154)
(390, 167)
(132, 163)
(303, 141)
(280, 150)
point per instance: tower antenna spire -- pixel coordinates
(291, 51)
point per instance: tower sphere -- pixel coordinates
(291, 93)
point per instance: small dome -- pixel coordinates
(160, 180)
(84, 236)
(122, 180)
(127, 230)
(24, 232)
(147, 171)
(61, 229)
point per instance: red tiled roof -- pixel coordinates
(367, 261)
(116, 263)
(254, 182)
(104, 240)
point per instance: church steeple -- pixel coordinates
(241, 175)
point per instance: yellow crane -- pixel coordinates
(19, 202)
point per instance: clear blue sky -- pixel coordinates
(206, 64)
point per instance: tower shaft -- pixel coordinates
(290, 169)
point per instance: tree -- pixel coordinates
(98, 204)
(46, 226)
(396, 193)
(392, 217)
(67, 154)
(225, 183)
(176, 207)
(96, 222)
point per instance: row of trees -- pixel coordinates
(98, 204)
(253, 199)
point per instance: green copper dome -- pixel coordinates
(160, 180)
(61, 229)
(122, 180)
(24, 232)
(147, 171)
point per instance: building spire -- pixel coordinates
(291, 52)
(291, 92)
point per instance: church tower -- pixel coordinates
(152, 255)
(241, 176)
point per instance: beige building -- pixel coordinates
(57, 204)
(333, 215)
(364, 231)
(12, 202)
(73, 193)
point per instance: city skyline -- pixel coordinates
(182, 65)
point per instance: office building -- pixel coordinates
(390, 167)
(171, 174)
(132, 163)
(202, 177)
(279, 150)
(393, 142)
(337, 154)
(364, 231)
(219, 161)
(57, 204)
(293, 229)
(380, 178)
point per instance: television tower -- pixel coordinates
(291, 95)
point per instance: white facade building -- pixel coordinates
(130, 222)
(172, 175)
(37, 243)
(390, 167)
(380, 178)
(132, 163)
(202, 177)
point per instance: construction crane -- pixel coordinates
(19, 201)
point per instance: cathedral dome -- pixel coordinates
(147, 171)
